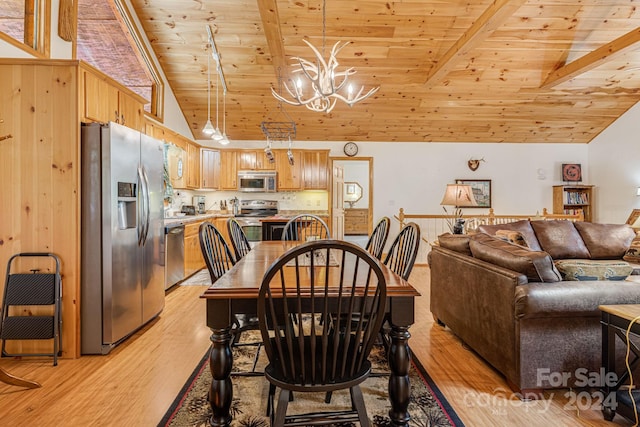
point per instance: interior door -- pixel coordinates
(337, 202)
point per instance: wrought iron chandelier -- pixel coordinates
(283, 130)
(327, 85)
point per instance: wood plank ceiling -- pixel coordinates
(454, 71)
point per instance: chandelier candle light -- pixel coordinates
(326, 82)
(459, 196)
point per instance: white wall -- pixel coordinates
(615, 169)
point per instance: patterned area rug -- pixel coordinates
(427, 408)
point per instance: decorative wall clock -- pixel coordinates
(350, 149)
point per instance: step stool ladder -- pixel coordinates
(32, 289)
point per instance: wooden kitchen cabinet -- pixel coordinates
(247, 160)
(210, 168)
(289, 176)
(263, 163)
(228, 169)
(193, 259)
(254, 160)
(104, 100)
(193, 166)
(316, 169)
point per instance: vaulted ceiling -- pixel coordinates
(448, 71)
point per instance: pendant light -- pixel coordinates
(216, 133)
(224, 140)
(208, 128)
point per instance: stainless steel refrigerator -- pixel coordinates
(122, 263)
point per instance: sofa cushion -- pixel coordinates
(536, 265)
(606, 241)
(587, 269)
(523, 226)
(455, 242)
(560, 239)
(633, 252)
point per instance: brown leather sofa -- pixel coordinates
(511, 305)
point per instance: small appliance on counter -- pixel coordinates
(188, 209)
(200, 204)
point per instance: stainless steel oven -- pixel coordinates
(251, 214)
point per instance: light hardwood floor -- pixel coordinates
(136, 383)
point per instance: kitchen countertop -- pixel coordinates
(180, 220)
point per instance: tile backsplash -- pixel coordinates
(287, 201)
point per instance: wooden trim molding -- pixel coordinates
(593, 59)
(144, 57)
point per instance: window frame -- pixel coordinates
(42, 28)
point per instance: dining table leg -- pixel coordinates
(221, 390)
(399, 385)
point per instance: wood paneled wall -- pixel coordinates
(40, 180)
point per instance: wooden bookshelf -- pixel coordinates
(569, 199)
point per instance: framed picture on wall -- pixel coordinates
(571, 172)
(481, 191)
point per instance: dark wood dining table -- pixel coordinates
(236, 292)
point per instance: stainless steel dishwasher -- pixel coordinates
(173, 254)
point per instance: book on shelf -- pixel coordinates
(576, 198)
(572, 211)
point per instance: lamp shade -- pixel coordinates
(460, 195)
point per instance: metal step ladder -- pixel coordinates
(32, 289)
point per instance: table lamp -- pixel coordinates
(459, 196)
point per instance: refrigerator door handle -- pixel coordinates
(141, 206)
(147, 197)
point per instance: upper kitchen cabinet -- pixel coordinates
(289, 175)
(263, 163)
(177, 164)
(316, 169)
(104, 100)
(210, 168)
(247, 160)
(193, 166)
(254, 160)
(228, 169)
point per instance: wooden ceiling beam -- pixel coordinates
(593, 59)
(487, 23)
(273, 33)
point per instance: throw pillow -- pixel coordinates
(605, 241)
(514, 237)
(633, 253)
(455, 242)
(560, 239)
(586, 269)
(536, 265)
(522, 226)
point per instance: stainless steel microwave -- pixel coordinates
(257, 181)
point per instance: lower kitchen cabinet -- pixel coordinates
(193, 260)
